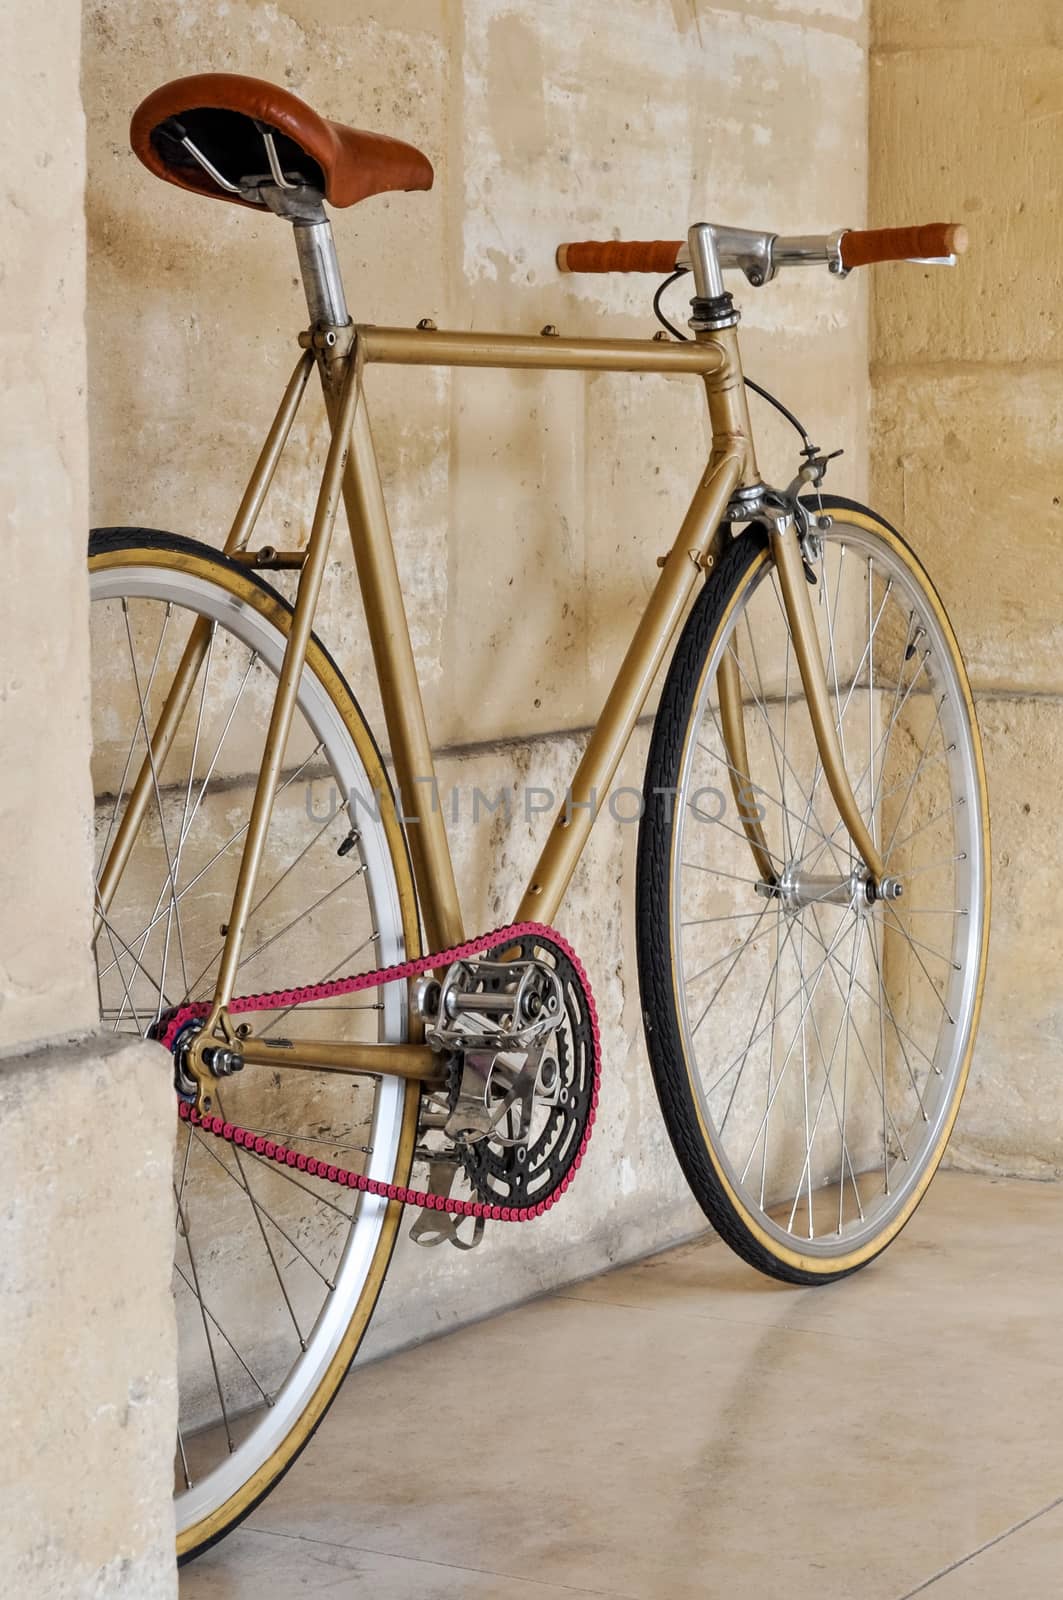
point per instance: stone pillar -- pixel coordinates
(86, 1123)
(967, 458)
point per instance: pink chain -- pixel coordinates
(283, 998)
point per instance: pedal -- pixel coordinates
(430, 1228)
(492, 1083)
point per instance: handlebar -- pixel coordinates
(934, 241)
(760, 254)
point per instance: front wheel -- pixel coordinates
(810, 1044)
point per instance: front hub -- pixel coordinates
(857, 889)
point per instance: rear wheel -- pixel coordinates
(275, 1272)
(810, 1046)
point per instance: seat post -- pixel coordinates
(322, 281)
(304, 208)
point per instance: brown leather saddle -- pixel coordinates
(221, 134)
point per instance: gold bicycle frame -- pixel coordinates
(341, 352)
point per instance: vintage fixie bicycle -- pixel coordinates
(811, 955)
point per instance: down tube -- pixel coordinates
(596, 771)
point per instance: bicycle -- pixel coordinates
(812, 885)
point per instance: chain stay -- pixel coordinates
(285, 998)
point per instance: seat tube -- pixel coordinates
(378, 577)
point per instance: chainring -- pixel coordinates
(523, 1174)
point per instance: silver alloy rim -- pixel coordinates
(176, 588)
(842, 942)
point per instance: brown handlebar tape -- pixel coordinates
(619, 255)
(861, 247)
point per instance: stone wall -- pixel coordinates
(528, 509)
(86, 1126)
(967, 457)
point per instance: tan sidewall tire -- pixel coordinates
(199, 1536)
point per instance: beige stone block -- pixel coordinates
(968, 467)
(1013, 1109)
(970, 135)
(910, 25)
(45, 976)
(86, 1242)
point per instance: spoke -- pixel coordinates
(280, 1137)
(723, 981)
(872, 822)
(857, 943)
(157, 915)
(935, 866)
(771, 1057)
(731, 916)
(722, 761)
(207, 1312)
(184, 1458)
(305, 851)
(182, 832)
(804, 1077)
(349, 957)
(929, 823)
(810, 995)
(718, 872)
(828, 1091)
(184, 1175)
(815, 851)
(158, 795)
(750, 936)
(112, 932)
(787, 1003)
(785, 706)
(183, 1217)
(133, 741)
(860, 1038)
(773, 975)
(188, 819)
(818, 771)
(760, 684)
(125, 985)
(283, 1172)
(883, 744)
(288, 926)
(917, 944)
(787, 763)
(935, 726)
(241, 1183)
(926, 974)
(881, 1064)
(888, 1010)
(718, 822)
(265, 1237)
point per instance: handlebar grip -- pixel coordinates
(619, 255)
(860, 247)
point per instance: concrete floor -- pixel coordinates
(685, 1428)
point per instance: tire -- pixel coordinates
(138, 576)
(719, 1106)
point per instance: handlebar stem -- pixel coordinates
(712, 248)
